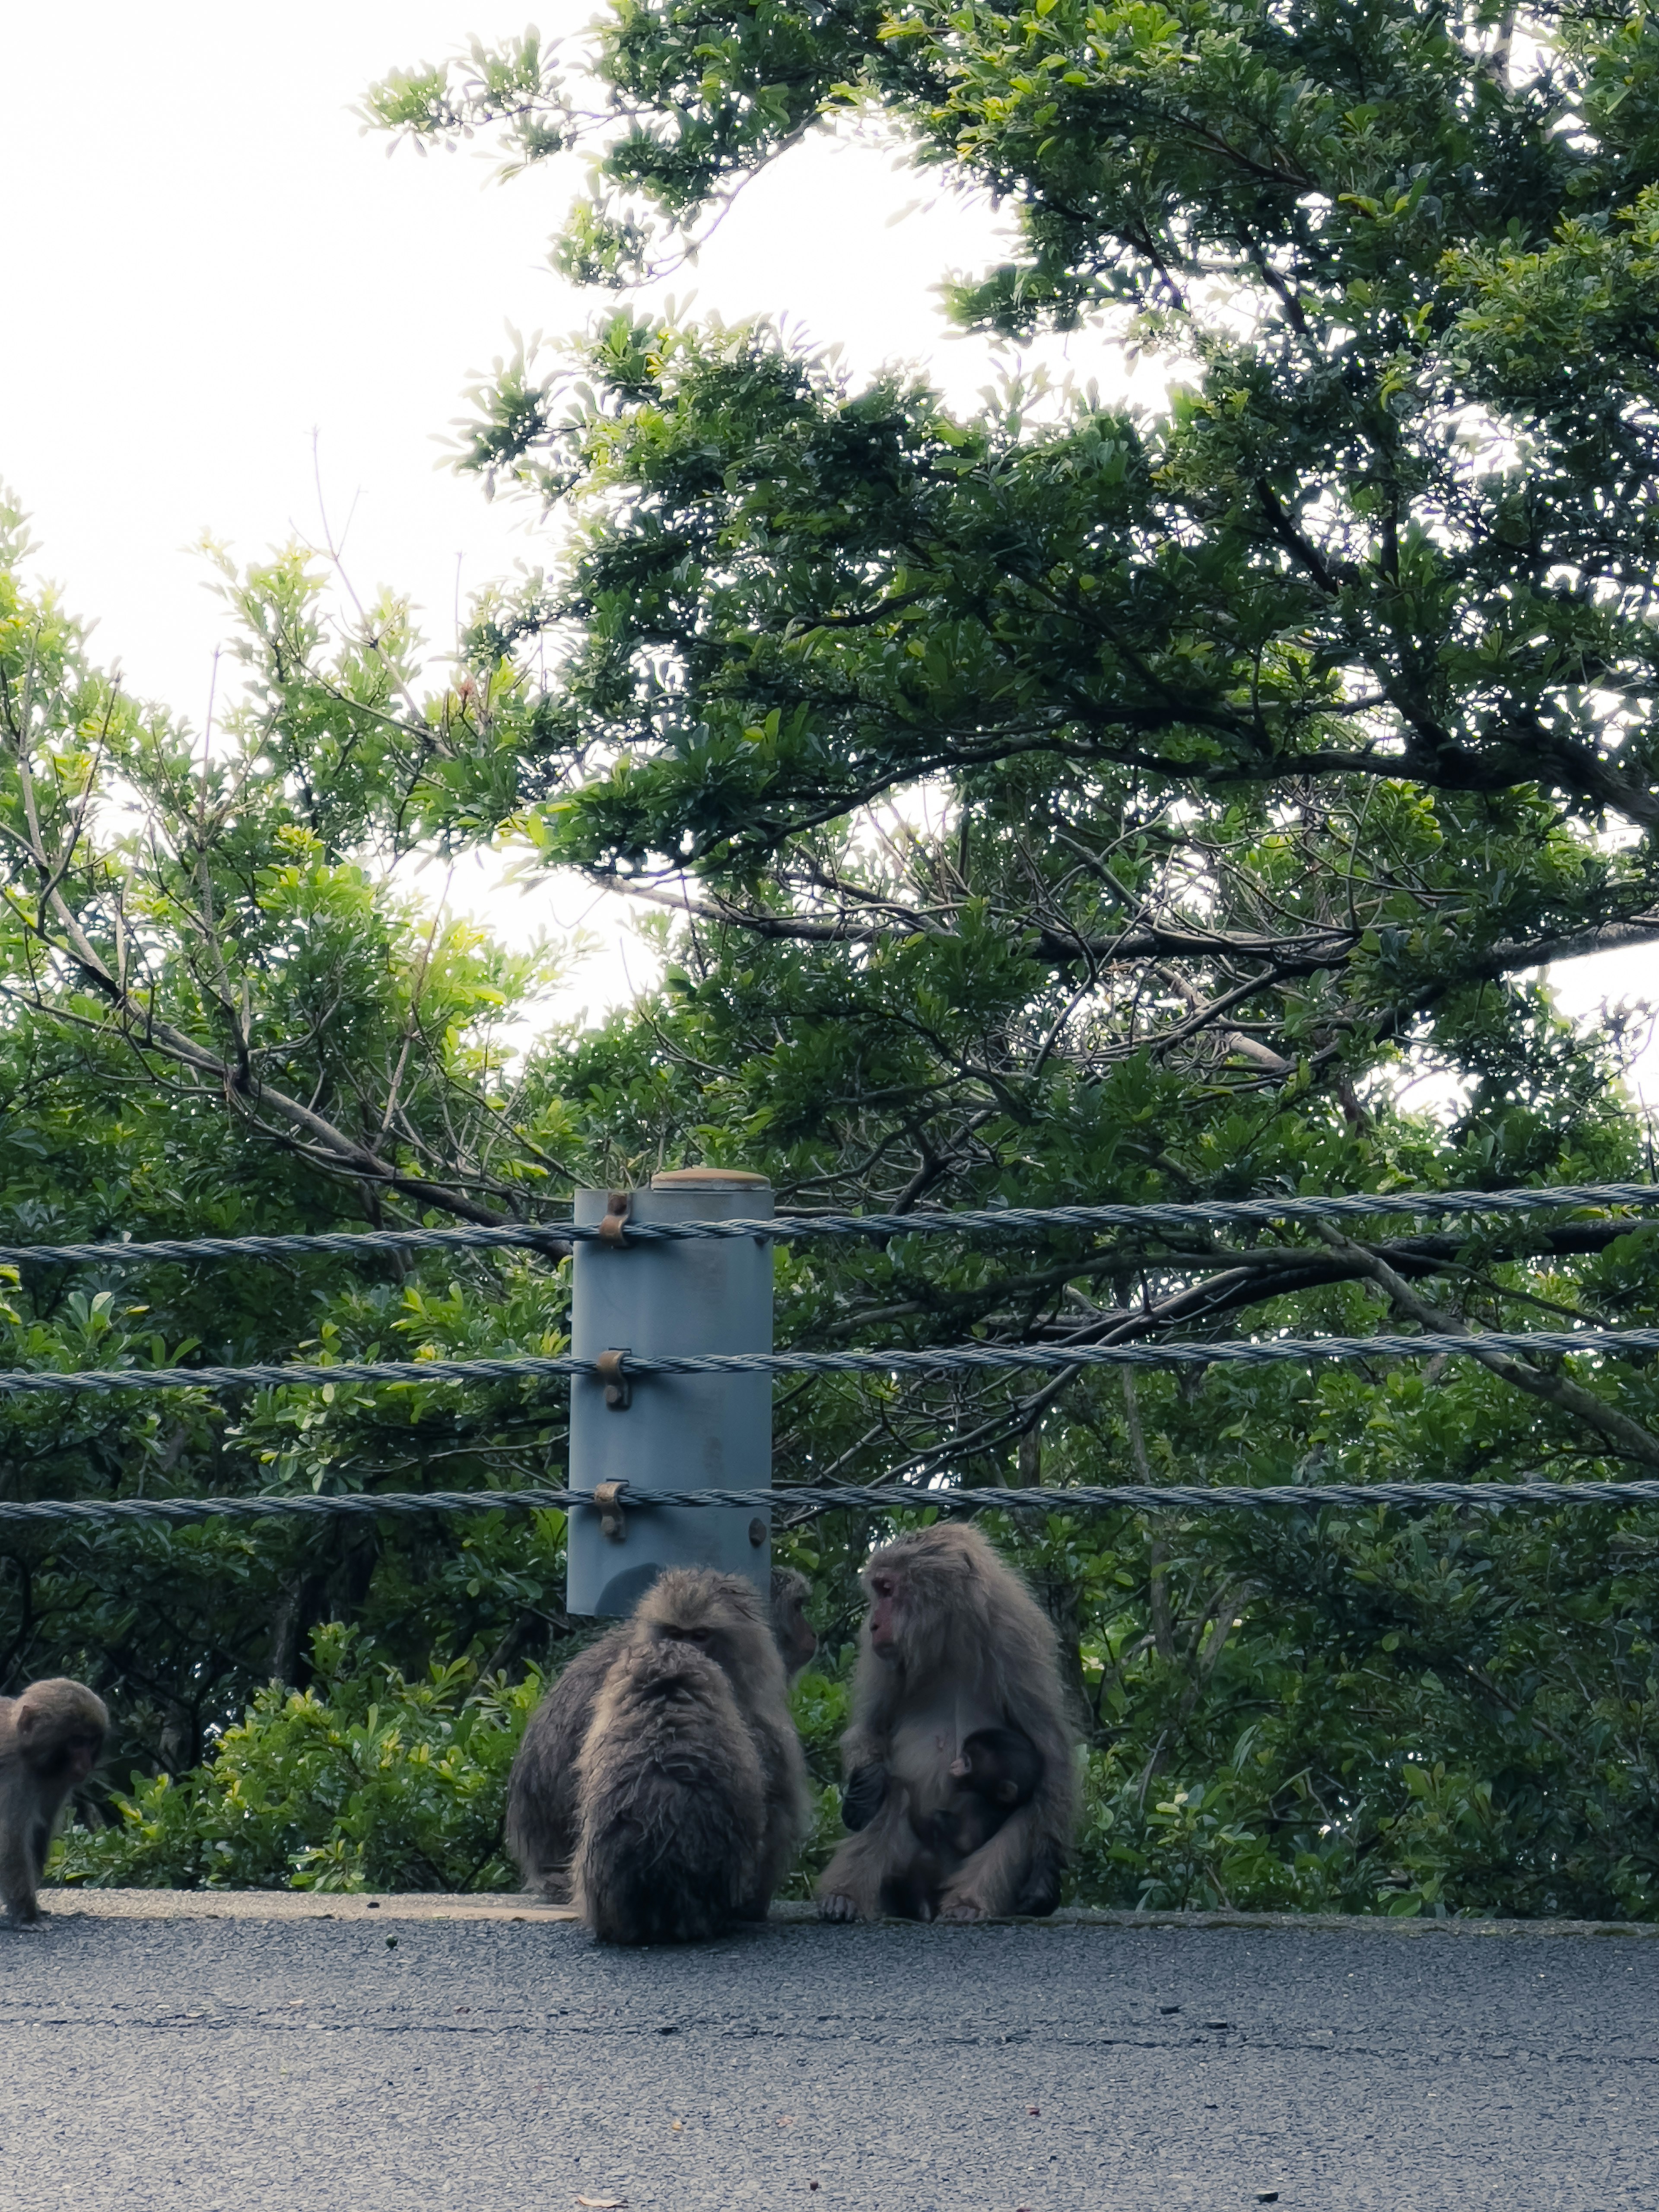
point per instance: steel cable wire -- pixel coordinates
(790, 1228)
(808, 1501)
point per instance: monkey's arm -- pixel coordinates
(788, 1804)
(850, 1887)
(1040, 1892)
(866, 1750)
(864, 1796)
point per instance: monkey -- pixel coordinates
(541, 1801)
(671, 1800)
(953, 1644)
(541, 1789)
(997, 1770)
(792, 1632)
(51, 1739)
(690, 1784)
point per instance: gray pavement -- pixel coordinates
(400, 2060)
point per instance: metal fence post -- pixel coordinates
(670, 1431)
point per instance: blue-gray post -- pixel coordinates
(677, 1432)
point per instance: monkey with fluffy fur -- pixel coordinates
(542, 1810)
(953, 1643)
(690, 1785)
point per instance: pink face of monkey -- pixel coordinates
(886, 1614)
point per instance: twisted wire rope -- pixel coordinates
(959, 1359)
(808, 1501)
(554, 1236)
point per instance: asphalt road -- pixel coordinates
(353, 2065)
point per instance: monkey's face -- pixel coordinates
(722, 1640)
(81, 1754)
(886, 1615)
(981, 1772)
(57, 1758)
(697, 1633)
(72, 1759)
(792, 1632)
(718, 1615)
(803, 1644)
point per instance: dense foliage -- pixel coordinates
(1066, 801)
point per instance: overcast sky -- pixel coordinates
(219, 270)
(219, 291)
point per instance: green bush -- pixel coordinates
(367, 1781)
(819, 1702)
(364, 1781)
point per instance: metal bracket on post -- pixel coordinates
(618, 1383)
(608, 1499)
(613, 1225)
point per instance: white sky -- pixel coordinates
(217, 288)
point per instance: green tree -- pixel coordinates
(1072, 800)
(222, 1010)
(1058, 802)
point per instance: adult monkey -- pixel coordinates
(51, 1739)
(690, 1785)
(953, 1643)
(542, 1812)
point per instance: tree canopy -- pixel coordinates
(1075, 800)
(1066, 800)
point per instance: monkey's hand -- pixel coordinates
(863, 1797)
(962, 1908)
(837, 1908)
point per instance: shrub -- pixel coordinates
(363, 1781)
(369, 1781)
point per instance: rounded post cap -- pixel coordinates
(709, 1179)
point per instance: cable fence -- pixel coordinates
(622, 1368)
(1252, 1212)
(942, 1360)
(807, 1503)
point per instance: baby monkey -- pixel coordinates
(996, 1772)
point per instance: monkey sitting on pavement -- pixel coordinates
(953, 1643)
(690, 1786)
(996, 1770)
(543, 1814)
(51, 1739)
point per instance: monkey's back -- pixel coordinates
(544, 1811)
(674, 1813)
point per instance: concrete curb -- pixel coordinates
(73, 1904)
